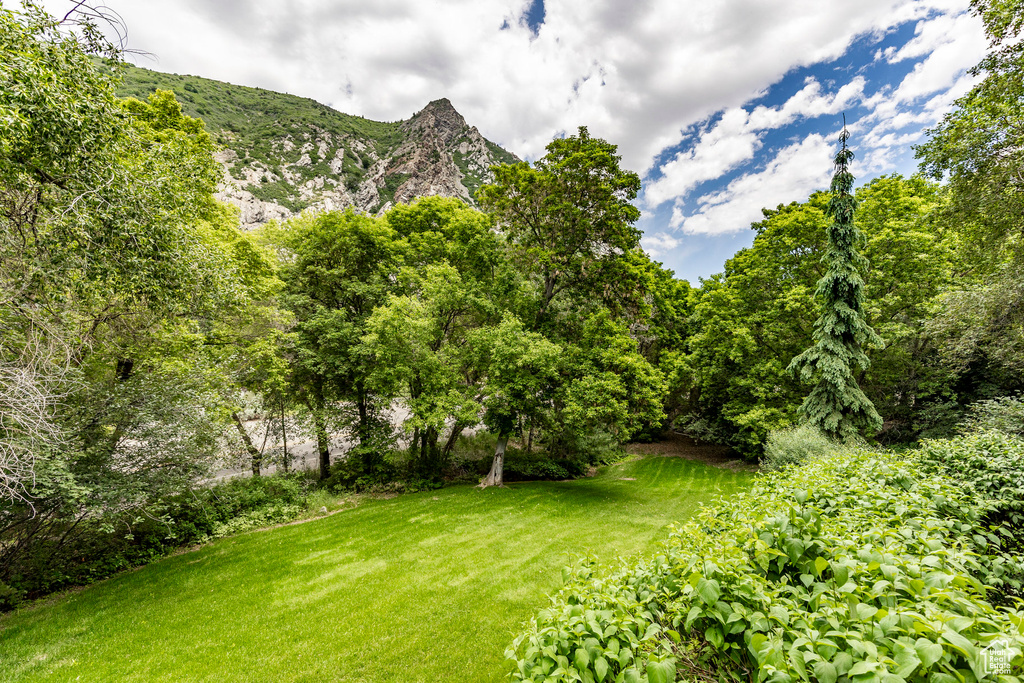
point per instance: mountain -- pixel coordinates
(282, 154)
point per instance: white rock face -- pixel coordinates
(253, 212)
(437, 156)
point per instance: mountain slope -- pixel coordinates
(283, 153)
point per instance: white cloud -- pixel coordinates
(659, 243)
(735, 138)
(931, 34)
(953, 44)
(949, 45)
(795, 172)
(636, 73)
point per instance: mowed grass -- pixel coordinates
(423, 587)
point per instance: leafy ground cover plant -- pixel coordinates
(857, 567)
(989, 465)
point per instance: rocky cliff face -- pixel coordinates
(282, 154)
(433, 153)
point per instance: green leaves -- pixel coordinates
(569, 217)
(825, 672)
(663, 671)
(859, 567)
(928, 652)
(708, 591)
(836, 404)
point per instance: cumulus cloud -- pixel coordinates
(794, 172)
(659, 243)
(735, 138)
(946, 45)
(636, 73)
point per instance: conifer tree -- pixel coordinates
(836, 404)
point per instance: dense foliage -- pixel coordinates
(730, 382)
(120, 273)
(861, 566)
(147, 341)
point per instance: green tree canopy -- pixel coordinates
(568, 216)
(729, 381)
(345, 265)
(979, 145)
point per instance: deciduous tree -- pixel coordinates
(568, 216)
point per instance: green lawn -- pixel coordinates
(423, 587)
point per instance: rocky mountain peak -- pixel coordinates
(283, 154)
(440, 119)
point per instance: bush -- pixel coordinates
(989, 466)
(699, 428)
(9, 597)
(595, 447)
(794, 446)
(1004, 414)
(72, 552)
(474, 447)
(854, 567)
(256, 519)
(520, 467)
(350, 473)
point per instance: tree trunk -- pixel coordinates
(363, 429)
(450, 443)
(257, 458)
(429, 464)
(323, 444)
(414, 446)
(123, 369)
(529, 440)
(493, 477)
(284, 437)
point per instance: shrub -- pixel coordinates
(478, 446)
(1004, 414)
(9, 597)
(794, 446)
(700, 428)
(989, 466)
(76, 551)
(522, 468)
(593, 447)
(256, 519)
(855, 567)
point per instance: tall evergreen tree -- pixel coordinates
(836, 404)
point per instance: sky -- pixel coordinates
(721, 107)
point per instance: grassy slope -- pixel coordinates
(424, 587)
(254, 113)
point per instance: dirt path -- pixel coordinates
(680, 446)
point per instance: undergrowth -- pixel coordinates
(863, 566)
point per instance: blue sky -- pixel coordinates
(694, 232)
(722, 107)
